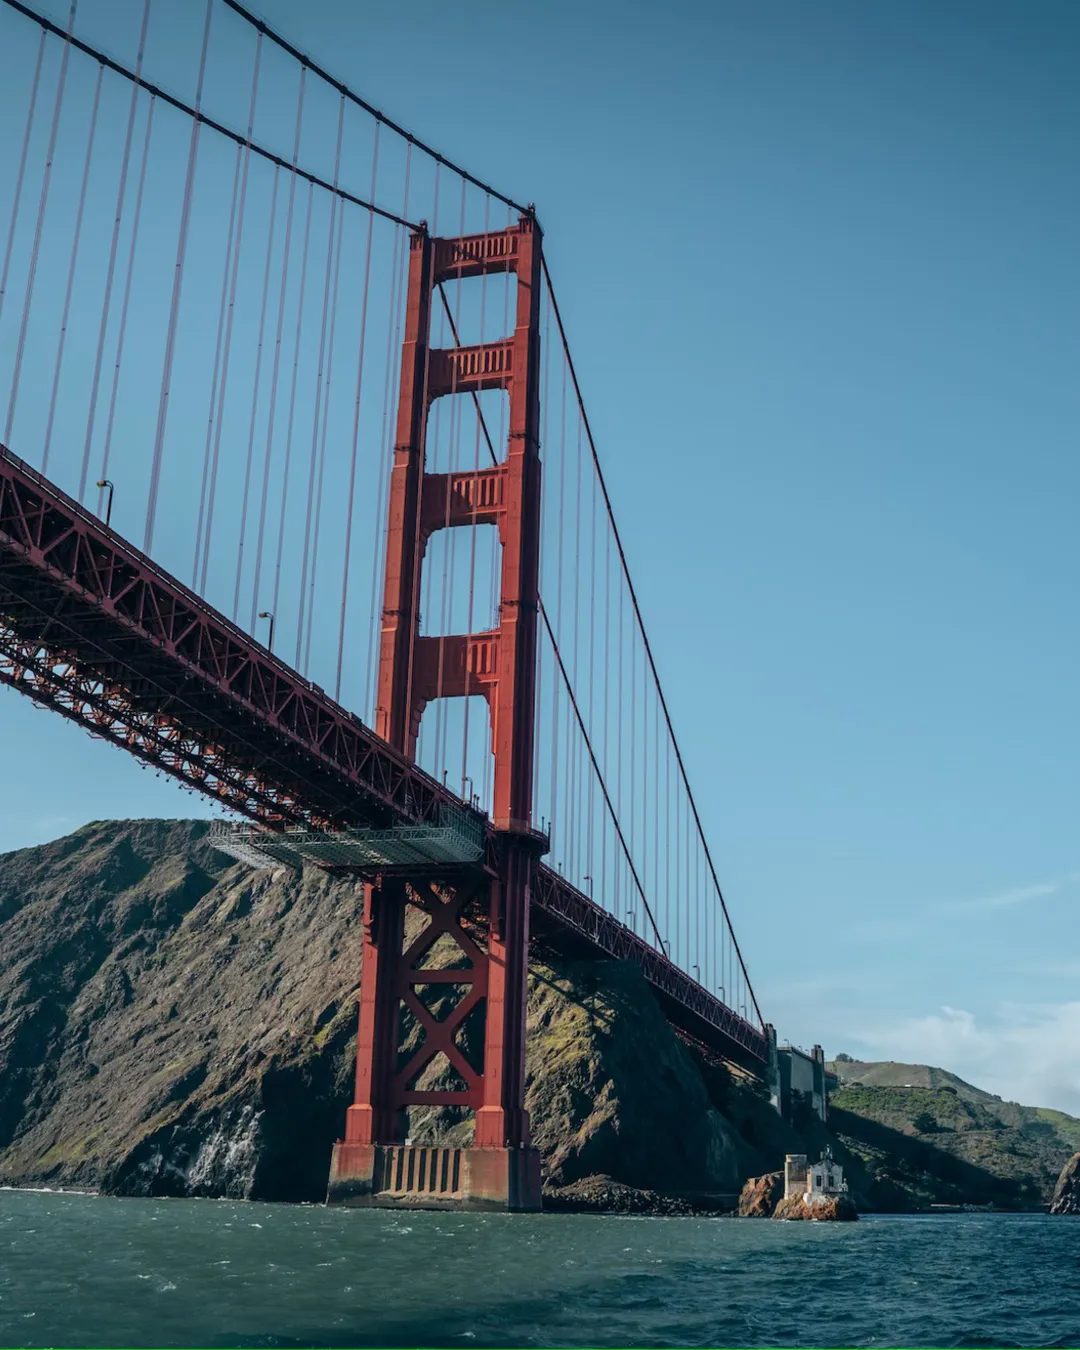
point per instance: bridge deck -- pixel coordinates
(92, 628)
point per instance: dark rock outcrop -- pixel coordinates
(601, 1195)
(760, 1196)
(1066, 1198)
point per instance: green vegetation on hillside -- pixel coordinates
(940, 1140)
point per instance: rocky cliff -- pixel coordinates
(175, 1024)
(1066, 1197)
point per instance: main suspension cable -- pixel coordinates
(314, 179)
(641, 626)
(353, 97)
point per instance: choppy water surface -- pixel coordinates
(84, 1270)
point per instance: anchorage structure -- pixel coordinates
(481, 1039)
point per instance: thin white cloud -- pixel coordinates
(1019, 896)
(914, 923)
(1029, 1053)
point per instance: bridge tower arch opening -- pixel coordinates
(484, 911)
(455, 745)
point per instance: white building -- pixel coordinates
(811, 1180)
(825, 1177)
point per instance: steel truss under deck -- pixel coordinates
(93, 629)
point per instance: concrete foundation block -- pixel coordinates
(413, 1176)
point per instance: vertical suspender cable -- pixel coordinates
(541, 681)
(391, 386)
(174, 307)
(211, 420)
(386, 453)
(495, 584)
(286, 250)
(592, 660)
(17, 199)
(351, 500)
(232, 243)
(606, 687)
(110, 270)
(292, 402)
(110, 421)
(633, 747)
(559, 551)
(42, 203)
(662, 898)
(471, 619)
(313, 461)
(256, 386)
(421, 450)
(575, 802)
(648, 648)
(223, 384)
(545, 422)
(76, 237)
(335, 291)
(620, 724)
(448, 571)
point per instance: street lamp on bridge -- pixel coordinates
(106, 483)
(266, 614)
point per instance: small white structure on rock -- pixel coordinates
(813, 1180)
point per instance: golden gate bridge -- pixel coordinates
(320, 373)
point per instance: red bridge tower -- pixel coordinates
(482, 1038)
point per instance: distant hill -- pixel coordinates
(943, 1140)
(890, 1073)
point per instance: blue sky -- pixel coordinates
(819, 270)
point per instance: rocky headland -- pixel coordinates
(1066, 1197)
(173, 1023)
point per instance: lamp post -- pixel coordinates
(265, 614)
(106, 483)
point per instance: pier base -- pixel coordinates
(412, 1176)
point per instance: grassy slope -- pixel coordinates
(942, 1140)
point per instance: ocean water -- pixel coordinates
(80, 1270)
